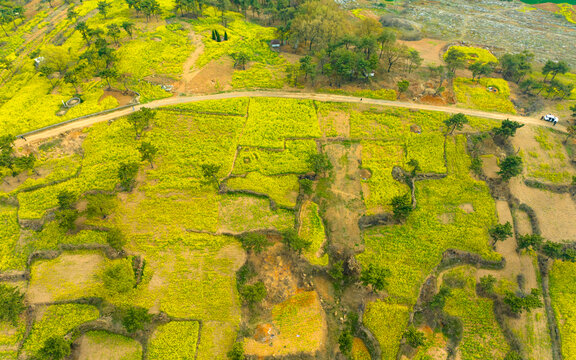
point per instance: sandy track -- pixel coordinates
(82, 123)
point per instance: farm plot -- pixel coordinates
(562, 293)
(101, 345)
(175, 340)
(487, 94)
(312, 229)
(282, 189)
(474, 54)
(387, 322)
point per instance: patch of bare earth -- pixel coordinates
(430, 50)
(122, 97)
(63, 274)
(532, 327)
(337, 120)
(490, 167)
(107, 349)
(344, 206)
(555, 212)
(215, 76)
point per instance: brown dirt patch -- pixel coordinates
(365, 174)
(233, 252)
(69, 275)
(10, 183)
(98, 346)
(555, 212)
(276, 273)
(430, 50)
(490, 166)
(215, 76)
(432, 100)
(522, 222)
(547, 7)
(446, 218)
(467, 208)
(122, 97)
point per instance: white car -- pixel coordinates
(550, 118)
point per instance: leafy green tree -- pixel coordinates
(476, 165)
(509, 167)
(319, 163)
(254, 242)
(401, 207)
(293, 241)
(128, 27)
(119, 277)
(560, 67)
(103, 7)
(55, 348)
(253, 294)
(99, 205)
(507, 128)
(237, 351)
(480, 69)
(241, 58)
(455, 122)
(487, 283)
(108, 74)
(529, 84)
(11, 303)
(308, 67)
(66, 218)
(115, 238)
(527, 241)
(455, 59)
(553, 250)
(345, 341)
(375, 276)
(66, 199)
(223, 6)
(516, 66)
(518, 304)
(141, 120)
(439, 300)
(148, 152)
(127, 175)
(135, 318)
(501, 232)
(71, 14)
(210, 173)
(414, 60)
(403, 85)
(414, 337)
(114, 32)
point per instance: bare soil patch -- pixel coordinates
(522, 222)
(338, 120)
(490, 166)
(100, 347)
(446, 218)
(430, 50)
(555, 212)
(10, 183)
(466, 207)
(432, 100)
(215, 76)
(122, 97)
(68, 274)
(233, 252)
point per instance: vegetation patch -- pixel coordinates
(312, 230)
(487, 94)
(175, 340)
(562, 293)
(96, 345)
(474, 54)
(282, 189)
(387, 322)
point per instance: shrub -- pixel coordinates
(237, 352)
(293, 241)
(375, 276)
(119, 277)
(11, 303)
(319, 163)
(66, 218)
(533, 241)
(115, 238)
(452, 327)
(345, 342)
(55, 348)
(254, 242)
(99, 205)
(517, 304)
(414, 337)
(135, 318)
(439, 300)
(253, 294)
(509, 167)
(66, 199)
(476, 165)
(306, 186)
(127, 175)
(401, 206)
(501, 232)
(487, 283)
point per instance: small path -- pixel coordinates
(85, 122)
(190, 70)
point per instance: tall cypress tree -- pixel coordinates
(225, 36)
(218, 36)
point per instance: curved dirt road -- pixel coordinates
(82, 123)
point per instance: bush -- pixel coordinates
(501, 232)
(66, 199)
(401, 206)
(517, 304)
(135, 319)
(99, 205)
(237, 352)
(55, 348)
(439, 300)
(253, 294)
(345, 342)
(294, 242)
(127, 175)
(476, 165)
(115, 238)
(533, 241)
(119, 277)
(414, 337)
(306, 186)
(254, 242)
(319, 163)
(11, 303)
(509, 167)
(487, 283)
(66, 218)
(452, 327)
(375, 276)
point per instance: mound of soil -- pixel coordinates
(122, 97)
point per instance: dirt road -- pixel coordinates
(82, 123)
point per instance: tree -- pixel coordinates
(210, 173)
(439, 300)
(127, 175)
(103, 7)
(570, 132)
(533, 241)
(414, 337)
(223, 6)
(237, 352)
(55, 348)
(455, 59)
(511, 166)
(293, 241)
(66, 199)
(487, 283)
(241, 58)
(128, 27)
(135, 318)
(527, 85)
(115, 239)
(455, 122)
(5, 18)
(148, 152)
(308, 67)
(141, 119)
(71, 77)
(401, 207)
(415, 165)
(99, 205)
(217, 36)
(225, 36)
(11, 304)
(394, 55)
(119, 277)
(516, 66)
(517, 304)
(507, 129)
(108, 74)
(375, 276)
(319, 163)
(318, 23)
(501, 232)
(114, 32)
(403, 85)
(66, 218)
(345, 341)
(548, 68)
(254, 242)
(553, 250)
(480, 69)
(83, 29)
(414, 60)
(150, 8)
(253, 294)
(71, 14)
(561, 67)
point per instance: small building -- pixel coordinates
(275, 44)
